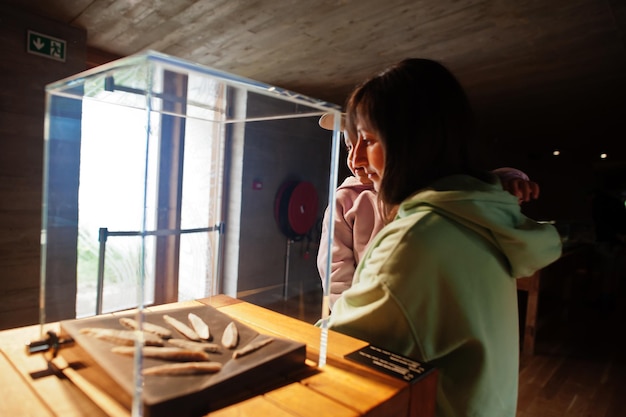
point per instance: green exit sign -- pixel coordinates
(48, 46)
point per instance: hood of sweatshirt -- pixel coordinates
(354, 183)
(495, 214)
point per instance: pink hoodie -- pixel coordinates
(356, 223)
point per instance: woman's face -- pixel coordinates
(368, 153)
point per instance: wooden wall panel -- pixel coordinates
(22, 107)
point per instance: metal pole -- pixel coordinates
(286, 285)
(102, 238)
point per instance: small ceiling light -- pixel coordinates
(603, 155)
(556, 152)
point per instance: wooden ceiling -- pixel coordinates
(541, 72)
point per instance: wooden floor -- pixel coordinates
(579, 367)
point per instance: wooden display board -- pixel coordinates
(181, 395)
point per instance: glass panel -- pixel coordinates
(163, 182)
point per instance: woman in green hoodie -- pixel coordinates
(437, 283)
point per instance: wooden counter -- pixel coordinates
(340, 388)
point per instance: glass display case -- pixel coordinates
(167, 181)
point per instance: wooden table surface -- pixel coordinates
(340, 388)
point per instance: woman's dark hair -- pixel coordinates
(424, 120)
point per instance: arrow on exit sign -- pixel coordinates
(44, 45)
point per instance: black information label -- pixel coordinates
(390, 363)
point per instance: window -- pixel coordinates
(172, 164)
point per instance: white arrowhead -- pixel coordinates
(38, 43)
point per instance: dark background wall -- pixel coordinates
(275, 153)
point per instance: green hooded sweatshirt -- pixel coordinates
(437, 284)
